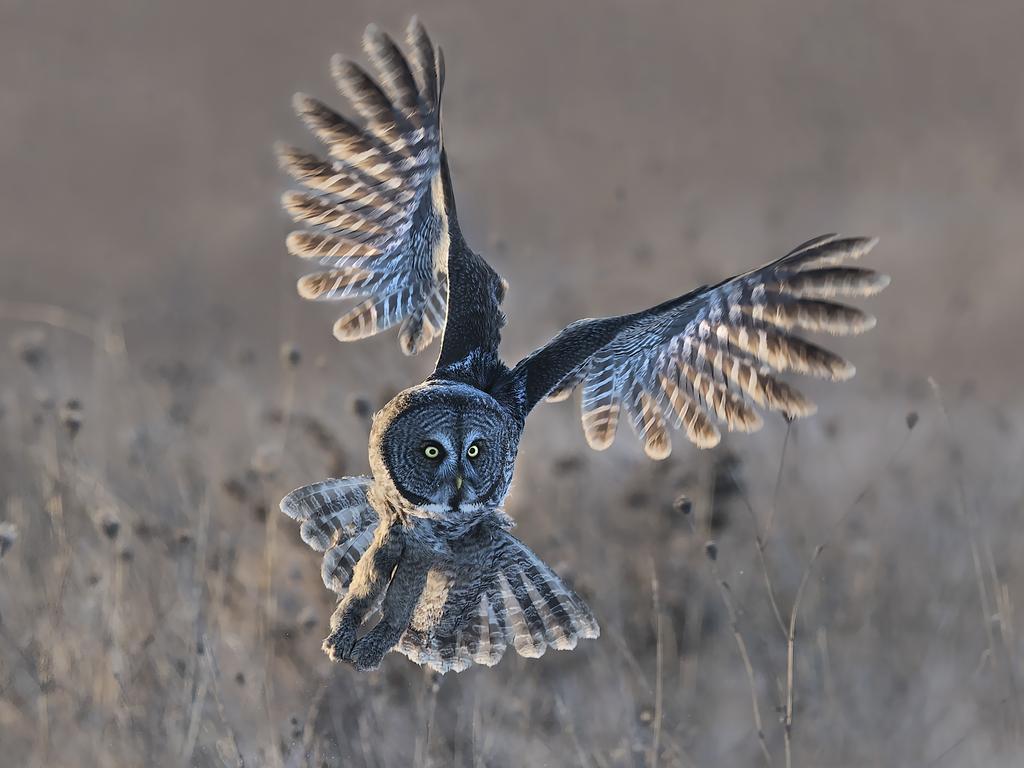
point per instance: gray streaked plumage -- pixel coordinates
(496, 592)
(423, 544)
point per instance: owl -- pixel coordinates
(420, 551)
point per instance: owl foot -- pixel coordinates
(338, 644)
(368, 654)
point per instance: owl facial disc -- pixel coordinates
(447, 449)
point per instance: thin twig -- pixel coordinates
(791, 631)
(658, 678)
(791, 653)
(741, 644)
(761, 545)
(972, 525)
(778, 483)
(312, 715)
(582, 757)
(268, 638)
(214, 673)
(423, 749)
(195, 714)
(726, 593)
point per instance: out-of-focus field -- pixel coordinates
(862, 604)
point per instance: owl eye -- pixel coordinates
(432, 451)
(473, 451)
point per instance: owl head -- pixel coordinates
(448, 449)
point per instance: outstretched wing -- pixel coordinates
(509, 599)
(337, 520)
(379, 216)
(708, 357)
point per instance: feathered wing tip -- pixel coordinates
(709, 358)
(424, 323)
(601, 404)
(368, 215)
(522, 604)
(337, 519)
(566, 386)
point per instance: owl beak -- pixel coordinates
(458, 482)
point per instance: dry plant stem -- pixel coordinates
(43, 708)
(741, 645)
(689, 663)
(423, 748)
(270, 543)
(581, 754)
(335, 709)
(309, 726)
(202, 679)
(791, 653)
(972, 525)
(478, 755)
(634, 665)
(365, 740)
(658, 664)
(986, 606)
(214, 672)
(55, 507)
(791, 631)
(726, 593)
(217, 601)
(195, 714)
(778, 484)
(761, 544)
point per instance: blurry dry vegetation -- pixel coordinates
(850, 583)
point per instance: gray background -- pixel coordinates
(606, 156)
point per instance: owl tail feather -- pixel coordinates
(511, 599)
(336, 519)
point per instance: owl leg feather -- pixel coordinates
(404, 593)
(369, 580)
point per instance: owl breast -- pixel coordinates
(455, 568)
(430, 608)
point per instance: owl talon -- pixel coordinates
(338, 644)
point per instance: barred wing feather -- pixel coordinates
(374, 214)
(336, 519)
(706, 359)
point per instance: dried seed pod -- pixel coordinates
(682, 504)
(30, 347)
(8, 535)
(291, 355)
(71, 417)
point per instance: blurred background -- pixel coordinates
(162, 385)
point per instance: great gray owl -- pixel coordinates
(424, 542)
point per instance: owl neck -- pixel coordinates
(457, 529)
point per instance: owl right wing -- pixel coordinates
(711, 355)
(513, 600)
(379, 216)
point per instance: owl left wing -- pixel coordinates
(336, 519)
(379, 216)
(711, 355)
(512, 599)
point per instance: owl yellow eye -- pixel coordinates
(432, 451)
(473, 451)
